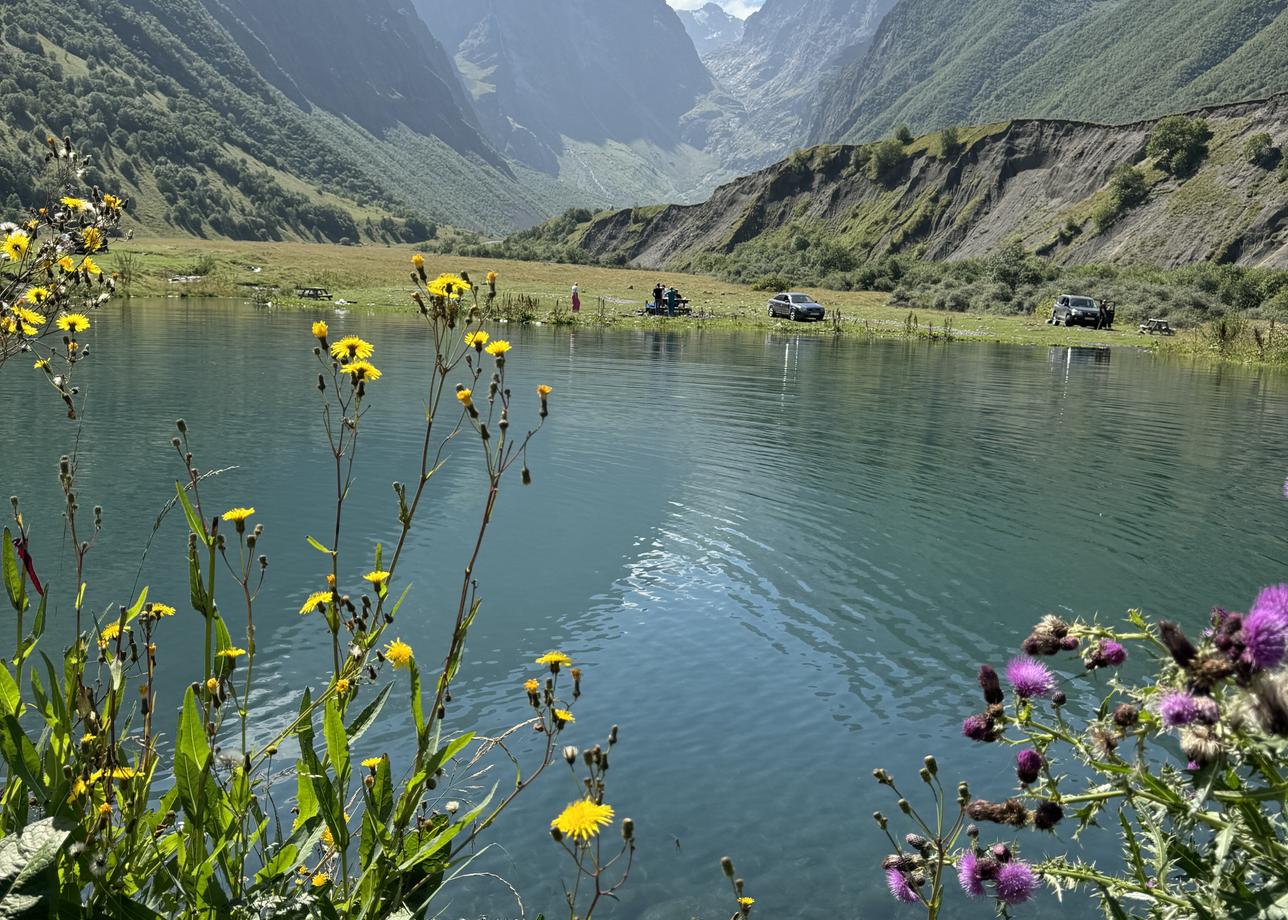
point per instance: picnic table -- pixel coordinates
(1159, 326)
(681, 308)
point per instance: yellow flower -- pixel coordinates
(110, 632)
(78, 789)
(465, 395)
(314, 601)
(93, 239)
(67, 264)
(114, 773)
(418, 260)
(531, 685)
(448, 286)
(238, 515)
(544, 391)
(88, 738)
(321, 879)
(362, 370)
(73, 322)
(563, 715)
(377, 578)
(34, 296)
(498, 348)
(211, 684)
(112, 203)
(342, 686)
(89, 266)
(328, 840)
(744, 903)
(351, 347)
(319, 331)
(477, 339)
(555, 659)
(399, 653)
(104, 810)
(41, 365)
(15, 245)
(371, 763)
(76, 204)
(583, 820)
(162, 610)
(491, 277)
(230, 652)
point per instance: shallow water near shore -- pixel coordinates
(779, 558)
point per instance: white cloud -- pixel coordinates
(740, 8)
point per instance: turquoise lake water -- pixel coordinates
(779, 558)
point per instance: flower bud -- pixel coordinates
(570, 755)
(726, 864)
(628, 829)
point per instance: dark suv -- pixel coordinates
(796, 306)
(1072, 310)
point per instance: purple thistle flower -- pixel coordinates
(899, 887)
(1015, 883)
(1028, 765)
(1112, 653)
(1178, 708)
(1206, 710)
(968, 876)
(977, 728)
(1029, 677)
(1265, 629)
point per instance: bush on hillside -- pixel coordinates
(1179, 143)
(1260, 151)
(1127, 189)
(950, 143)
(888, 160)
(903, 135)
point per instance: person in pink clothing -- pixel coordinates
(576, 299)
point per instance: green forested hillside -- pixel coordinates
(182, 122)
(935, 64)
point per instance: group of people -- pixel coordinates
(662, 294)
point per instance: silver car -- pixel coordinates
(796, 306)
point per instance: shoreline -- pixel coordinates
(378, 278)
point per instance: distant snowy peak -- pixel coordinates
(711, 27)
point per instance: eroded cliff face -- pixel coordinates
(1038, 181)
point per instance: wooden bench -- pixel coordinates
(1159, 326)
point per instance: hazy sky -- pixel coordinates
(743, 8)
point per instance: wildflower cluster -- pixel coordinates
(49, 279)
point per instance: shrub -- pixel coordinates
(1179, 143)
(950, 143)
(1128, 187)
(888, 159)
(1260, 151)
(903, 135)
(1012, 266)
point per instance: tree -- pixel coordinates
(888, 158)
(903, 135)
(1013, 266)
(1179, 143)
(1128, 187)
(950, 143)
(1260, 151)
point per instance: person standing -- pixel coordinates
(576, 300)
(672, 295)
(658, 291)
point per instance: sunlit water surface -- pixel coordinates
(779, 558)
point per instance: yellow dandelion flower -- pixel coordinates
(109, 632)
(477, 339)
(78, 789)
(41, 365)
(34, 295)
(449, 286)
(342, 686)
(314, 601)
(113, 203)
(162, 610)
(104, 810)
(399, 653)
(319, 331)
(230, 652)
(15, 245)
(211, 684)
(498, 348)
(372, 763)
(744, 903)
(88, 738)
(583, 820)
(563, 715)
(124, 773)
(88, 265)
(238, 515)
(328, 840)
(465, 395)
(555, 659)
(93, 239)
(72, 322)
(377, 578)
(67, 264)
(491, 277)
(418, 260)
(8, 325)
(362, 370)
(351, 348)
(544, 391)
(76, 204)
(321, 879)
(531, 685)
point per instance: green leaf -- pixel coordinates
(10, 696)
(337, 742)
(196, 589)
(417, 704)
(358, 727)
(195, 523)
(25, 858)
(191, 739)
(20, 753)
(14, 583)
(37, 629)
(137, 607)
(319, 547)
(446, 836)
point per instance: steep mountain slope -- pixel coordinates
(711, 27)
(595, 91)
(789, 49)
(933, 64)
(194, 129)
(1039, 182)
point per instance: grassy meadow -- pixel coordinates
(377, 277)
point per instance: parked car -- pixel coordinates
(1072, 310)
(796, 306)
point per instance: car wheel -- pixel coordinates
(771, 310)
(795, 316)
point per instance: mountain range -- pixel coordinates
(710, 27)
